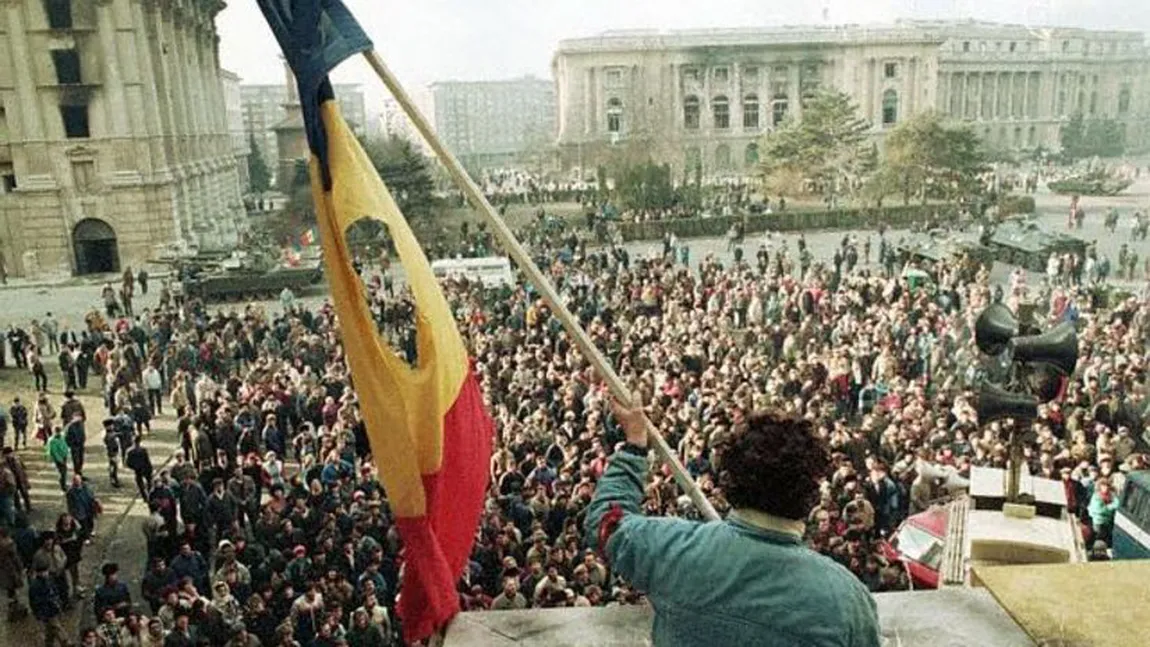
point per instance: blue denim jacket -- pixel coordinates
(730, 582)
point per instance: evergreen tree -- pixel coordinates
(1082, 138)
(259, 177)
(406, 172)
(929, 158)
(824, 153)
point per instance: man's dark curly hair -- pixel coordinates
(773, 463)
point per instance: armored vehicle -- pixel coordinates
(937, 245)
(1028, 244)
(1099, 181)
(254, 274)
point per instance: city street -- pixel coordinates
(119, 535)
(69, 302)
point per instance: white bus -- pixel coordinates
(492, 271)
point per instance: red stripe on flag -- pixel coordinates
(436, 547)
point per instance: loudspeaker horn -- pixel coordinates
(996, 403)
(1057, 347)
(994, 329)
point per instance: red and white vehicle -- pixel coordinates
(938, 546)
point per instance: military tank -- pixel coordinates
(931, 247)
(1094, 182)
(1028, 244)
(255, 273)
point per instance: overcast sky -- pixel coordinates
(431, 40)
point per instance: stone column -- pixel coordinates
(182, 125)
(1045, 95)
(994, 97)
(214, 113)
(198, 99)
(736, 97)
(675, 124)
(150, 90)
(974, 87)
(1021, 81)
(910, 101)
(1026, 112)
(219, 100)
(117, 105)
(28, 116)
(169, 124)
(796, 90)
(869, 101)
(189, 92)
(942, 97)
(961, 95)
(195, 99)
(588, 97)
(1011, 85)
(178, 92)
(212, 98)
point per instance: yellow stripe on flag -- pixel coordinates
(402, 406)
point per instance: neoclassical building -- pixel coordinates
(113, 134)
(705, 98)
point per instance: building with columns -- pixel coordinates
(1017, 85)
(113, 134)
(241, 143)
(704, 99)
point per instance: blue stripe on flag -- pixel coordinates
(315, 36)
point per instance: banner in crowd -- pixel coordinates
(430, 434)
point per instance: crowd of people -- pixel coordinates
(269, 526)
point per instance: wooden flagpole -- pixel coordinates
(536, 277)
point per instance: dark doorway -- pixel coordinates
(94, 242)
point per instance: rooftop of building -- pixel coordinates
(281, 87)
(1020, 606)
(902, 31)
(529, 79)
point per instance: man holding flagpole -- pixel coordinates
(749, 580)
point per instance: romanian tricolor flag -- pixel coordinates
(430, 434)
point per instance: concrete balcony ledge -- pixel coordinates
(947, 618)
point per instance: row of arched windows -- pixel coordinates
(723, 160)
(721, 111)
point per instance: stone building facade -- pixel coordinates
(234, 109)
(263, 110)
(705, 98)
(113, 137)
(492, 123)
(1018, 85)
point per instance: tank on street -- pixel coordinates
(251, 275)
(937, 245)
(1028, 244)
